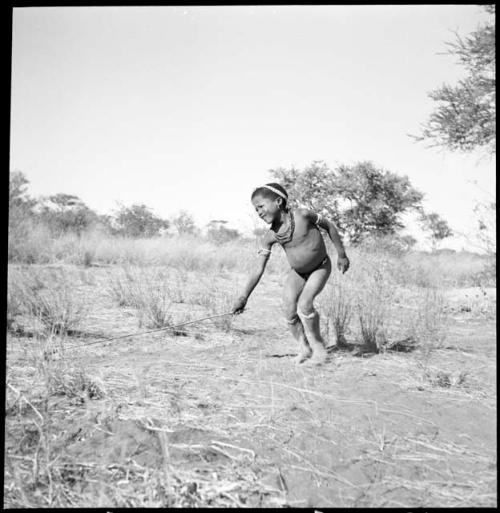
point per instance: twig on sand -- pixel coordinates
(234, 499)
(313, 468)
(147, 424)
(224, 444)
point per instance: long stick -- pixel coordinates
(150, 331)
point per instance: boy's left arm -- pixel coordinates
(342, 260)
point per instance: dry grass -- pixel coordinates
(375, 295)
(337, 306)
(258, 433)
(150, 291)
(219, 299)
(388, 315)
(222, 418)
(47, 295)
(154, 290)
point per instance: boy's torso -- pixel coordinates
(307, 249)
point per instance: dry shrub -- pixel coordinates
(50, 296)
(337, 305)
(58, 374)
(443, 379)
(185, 252)
(178, 284)
(366, 292)
(33, 243)
(88, 258)
(15, 295)
(75, 383)
(36, 244)
(219, 300)
(30, 242)
(389, 316)
(375, 292)
(152, 291)
(425, 321)
(446, 269)
(121, 286)
(152, 300)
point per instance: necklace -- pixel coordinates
(287, 235)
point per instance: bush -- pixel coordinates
(50, 297)
(337, 305)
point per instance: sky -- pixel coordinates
(189, 107)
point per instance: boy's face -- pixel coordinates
(266, 208)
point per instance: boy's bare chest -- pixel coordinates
(302, 231)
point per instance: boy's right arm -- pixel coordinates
(255, 276)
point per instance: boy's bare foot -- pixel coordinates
(304, 354)
(319, 356)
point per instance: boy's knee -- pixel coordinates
(306, 309)
(308, 315)
(293, 319)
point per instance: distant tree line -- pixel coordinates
(66, 213)
(362, 200)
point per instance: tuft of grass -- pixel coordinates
(426, 323)
(152, 300)
(121, 286)
(178, 285)
(389, 316)
(337, 305)
(15, 295)
(154, 291)
(151, 291)
(375, 294)
(49, 296)
(218, 300)
(88, 258)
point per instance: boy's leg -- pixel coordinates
(292, 289)
(308, 315)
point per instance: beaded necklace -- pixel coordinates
(287, 235)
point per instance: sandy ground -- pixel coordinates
(226, 419)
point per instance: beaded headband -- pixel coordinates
(276, 191)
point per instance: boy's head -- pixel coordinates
(273, 191)
(269, 199)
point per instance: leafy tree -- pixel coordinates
(360, 199)
(18, 195)
(106, 222)
(139, 221)
(437, 226)
(407, 242)
(20, 203)
(20, 206)
(315, 187)
(66, 213)
(184, 223)
(465, 117)
(219, 233)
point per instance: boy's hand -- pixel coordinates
(239, 305)
(343, 264)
